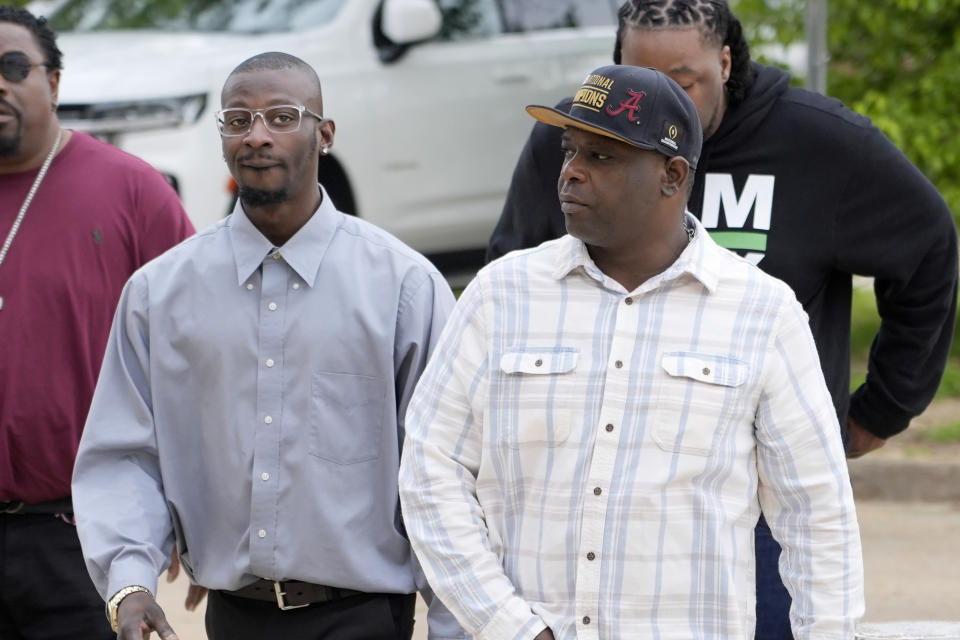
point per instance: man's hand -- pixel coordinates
(195, 593)
(138, 615)
(174, 569)
(861, 440)
(546, 634)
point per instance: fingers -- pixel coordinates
(164, 631)
(195, 595)
(174, 569)
(157, 621)
(139, 615)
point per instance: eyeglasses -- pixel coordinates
(15, 66)
(283, 118)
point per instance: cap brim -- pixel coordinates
(557, 118)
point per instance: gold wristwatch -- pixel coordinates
(113, 604)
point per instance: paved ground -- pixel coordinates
(912, 560)
(911, 555)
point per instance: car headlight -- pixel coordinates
(134, 115)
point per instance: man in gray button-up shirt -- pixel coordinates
(250, 406)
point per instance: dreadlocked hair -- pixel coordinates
(717, 25)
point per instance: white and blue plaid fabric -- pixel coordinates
(594, 460)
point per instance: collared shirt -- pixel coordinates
(594, 460)
(251, 404)
(97, 216)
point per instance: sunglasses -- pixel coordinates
(15, 66)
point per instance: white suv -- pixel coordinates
(428, 95)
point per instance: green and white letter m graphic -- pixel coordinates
(757, 196)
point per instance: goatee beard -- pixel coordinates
(9, 145)
(262, 197)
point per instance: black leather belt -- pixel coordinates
(63, 505)
(291, 594)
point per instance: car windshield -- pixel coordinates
(233, 16)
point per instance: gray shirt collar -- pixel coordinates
(303, 252)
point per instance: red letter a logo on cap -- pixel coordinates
(632, 105)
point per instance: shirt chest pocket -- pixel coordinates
(535, 399)
(698, 398)
(346, 417)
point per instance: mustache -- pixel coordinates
(566, 195)
(256, 155)
(16, 112)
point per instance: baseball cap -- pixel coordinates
(639, 106)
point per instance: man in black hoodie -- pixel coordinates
(809, 191)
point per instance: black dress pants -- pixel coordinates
(360, 617)
(45, 591)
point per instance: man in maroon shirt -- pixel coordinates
(77, 217)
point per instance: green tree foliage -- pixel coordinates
(896, 61)
(909, 84)
(459, 17)
(128, 14)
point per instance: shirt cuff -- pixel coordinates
(878, 415)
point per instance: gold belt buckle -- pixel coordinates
(282, 598)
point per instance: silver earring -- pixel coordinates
(324, 150)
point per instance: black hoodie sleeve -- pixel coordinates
(893, 225)
(531, 213)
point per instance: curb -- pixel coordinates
(904, 480)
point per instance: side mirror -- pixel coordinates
(409, 21)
